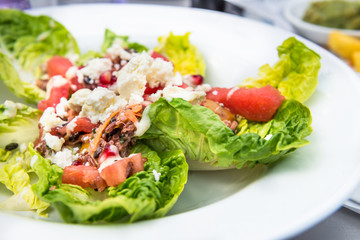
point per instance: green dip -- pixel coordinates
(335, 14)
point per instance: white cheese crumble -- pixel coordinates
(97, 105)
(71, 125)
(141, 70)
(49, 119)
(194, 97)
(204, 87)
(78, 99)
(33, 160)
(135, 99)
(268, 137)
(53, 142)
(155, 96)
(61, 108)
(144, 124)
(177, 80)
(96, 66)
(131, 79)
(10, 109)
(74, 72)
(116, 50)
(156, 175)
(63, 158)
(23, 147)
(160, 73)
(73, 57)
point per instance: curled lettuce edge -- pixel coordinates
(295, 74)
(185, 56)
(110, 38)
(139, 197)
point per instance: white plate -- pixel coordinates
(290, 197)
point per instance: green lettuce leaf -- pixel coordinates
(15, 175)
(204, 138)
(139, 197)
(18, 127)
(295, 75)
(28, 42)
(9, 75)
(18, 123)
(186, 58)
(110, 38)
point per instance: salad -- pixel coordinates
(110, 135)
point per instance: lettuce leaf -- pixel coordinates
(9, 75)
(18, 123)
(204, 138)
(295, 75)
(15, 175)
(110, 38)
(28, 42)
(139, 197)
(186, 58)
(18, 127)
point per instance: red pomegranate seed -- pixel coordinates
(197, 80)
(113, 79)
(76, 163)
(105, 77)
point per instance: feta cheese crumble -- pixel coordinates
(156, 175)
(53, 142)
(141, 70)
(268, 137)
(160, 73)
(33, 160)
(131, 79)
(61, 108)
(95, 67)
(74, 72)
(10, 109)
(97, 105)
(116, 50)
(63, 158)
(49, 119)
(194, 97)
(23, 147)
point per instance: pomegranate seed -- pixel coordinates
(105, 77)
(76, 163)
(113, 79)
(197, 80)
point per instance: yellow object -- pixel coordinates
(343, 45)
(356, 61)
